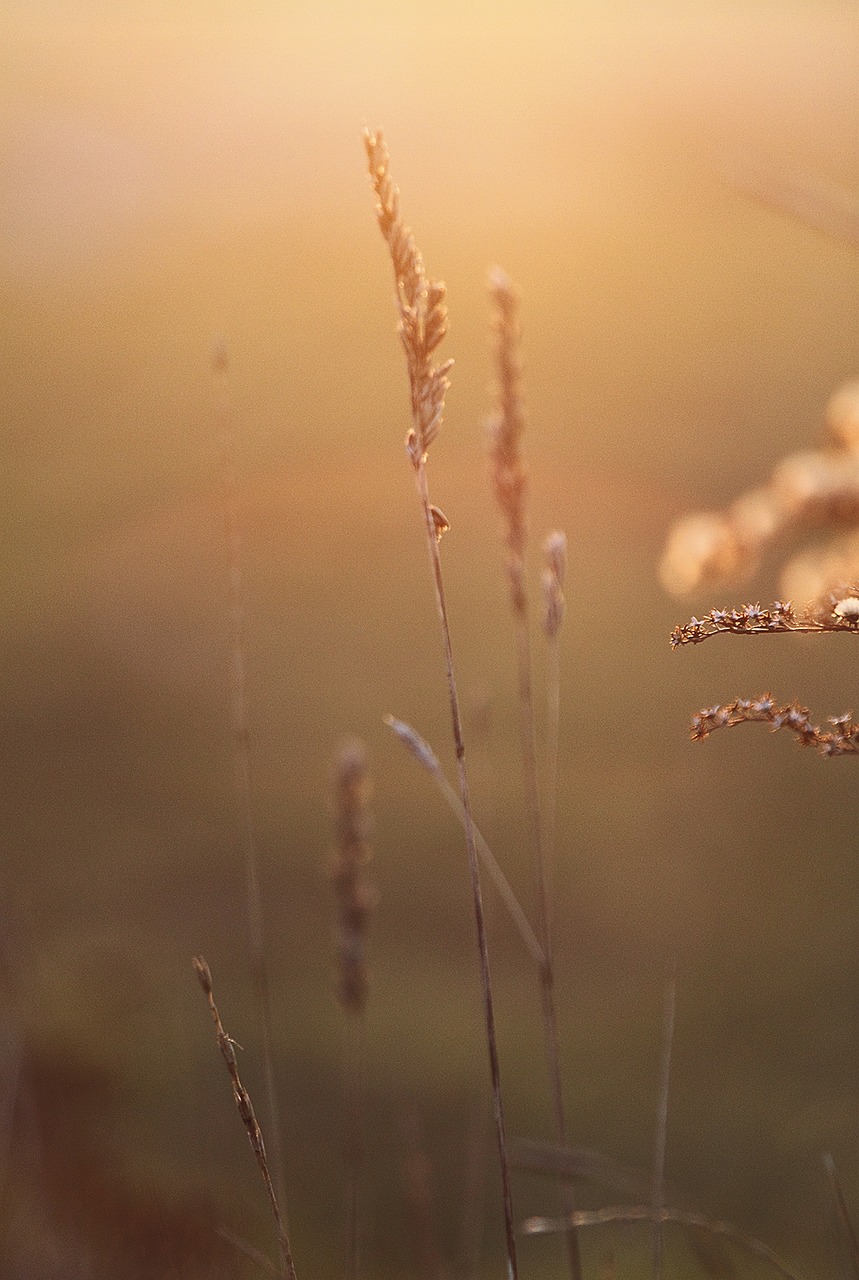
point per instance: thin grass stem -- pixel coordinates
(506, 428)
(355, 900)
(245, 1109)
(248, 1251)
(422, 326)
(473, 870)
(354, 1109)
(552, 580)
(644, 1213)
(420, 749)
(243, 772)
(843, 1213)
(657, 1193)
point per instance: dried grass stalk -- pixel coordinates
(644, 1213)
(248, 1118)
(422, 325)
(420, 749)
(509, 480)
(844, 1219)
(554, 606)
(355, 902)
(242, 755)
(657, 1192)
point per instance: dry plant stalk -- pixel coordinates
(355, 901)
(845, 1221)
(805, 196)
(423, 753)
(242, 756)
(509, 481)
(644, 1213)
(422, 325)
(657, 1193)
(248, 1117)
(420, 1199)
(554, 608)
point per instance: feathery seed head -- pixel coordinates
(848, 610)
(420, 303)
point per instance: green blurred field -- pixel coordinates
(170, 176)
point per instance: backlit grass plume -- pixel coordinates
(423, 314)
(422, 325)
(506, 428)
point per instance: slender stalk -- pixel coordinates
(248, 1250)
(657, 1192)
(424, 754)
(242, 764)
(245, 1109)
(473, 870)
(420, 1198)
(552, 580)
(510, 483)
(644, 1213)
(847, 1227)
(422, 326)
(354, 1108)
(355, 902)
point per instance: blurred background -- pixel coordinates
(176, 175)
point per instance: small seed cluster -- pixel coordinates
(841, 739)
(837, 611)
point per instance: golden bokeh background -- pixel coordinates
(177, 175)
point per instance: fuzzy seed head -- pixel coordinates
(848, 610)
